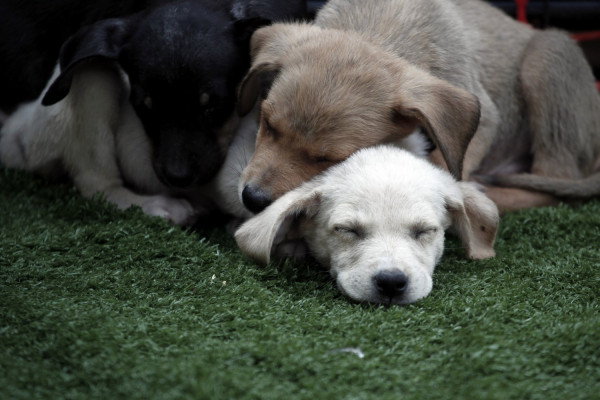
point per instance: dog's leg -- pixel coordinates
(90, 145)
(562, 106)
(485, 135)
(511, 199)
(563, 114)
(32, 138)
(90, 152)
(29, 141)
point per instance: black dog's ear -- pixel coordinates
(251, 15)
(244, 28)
(269, 10)
(247, 20)
(103, 39)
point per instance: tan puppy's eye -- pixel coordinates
(204, 99)
(148, 102)
(269, 128)
(323, 160)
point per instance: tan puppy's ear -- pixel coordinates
(448, 113)
(256, 82)
(260, 235)
(263, 70)
(475, 218)
(267, 48)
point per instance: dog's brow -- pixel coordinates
(422, 226)
(268, 106)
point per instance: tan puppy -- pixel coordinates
(377, 222)
(495, 96)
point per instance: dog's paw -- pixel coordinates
(176, 211)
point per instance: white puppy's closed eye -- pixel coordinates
(377, 221)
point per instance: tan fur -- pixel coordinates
(378, 98)
(496, 97)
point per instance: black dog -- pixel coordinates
(142, 109)
(183, 60)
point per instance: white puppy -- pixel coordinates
(377, 221)
(95, 137)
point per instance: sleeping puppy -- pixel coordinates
(184, 60)
(377, 222)
(495, 97)
(95, 138)
(141, 110)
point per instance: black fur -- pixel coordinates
(184, 60)
(32, 32)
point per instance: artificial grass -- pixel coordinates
(96, 303)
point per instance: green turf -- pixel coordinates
(101, 304)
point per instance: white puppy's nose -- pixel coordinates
(391, 283)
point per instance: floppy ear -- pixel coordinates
(261, 234)
(103, 39)
(267, 46)
(448, 113)
(256, 83)
(265, 67)
(475, 218)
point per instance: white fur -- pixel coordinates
(383, 209)
(95, 136)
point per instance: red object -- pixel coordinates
(583, 36)
(522, 10)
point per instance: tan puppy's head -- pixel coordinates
(377, 221)
(330, 93)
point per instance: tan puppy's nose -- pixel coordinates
(255, 199)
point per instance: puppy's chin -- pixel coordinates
(361, 290)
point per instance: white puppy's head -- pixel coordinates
(377, 221)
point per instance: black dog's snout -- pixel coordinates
(255, 199)
(391, 284)
(179, 176)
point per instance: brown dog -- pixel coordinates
(497, 98)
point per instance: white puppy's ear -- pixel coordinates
(475, 218)
(258, 236)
